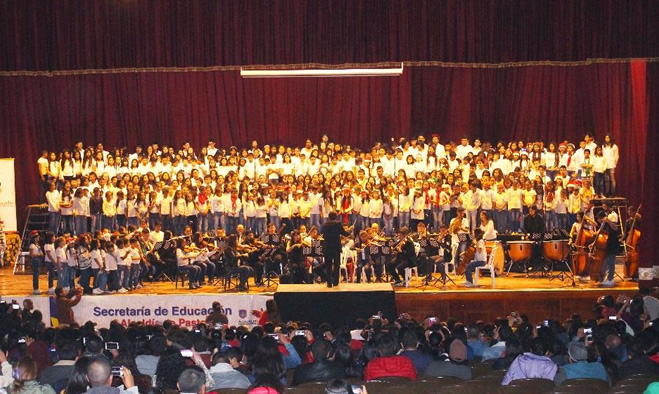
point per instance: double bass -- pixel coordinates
(631, 240)
(580, 255)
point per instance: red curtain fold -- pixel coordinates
(648, 245)
(79, 34)
(538, 102)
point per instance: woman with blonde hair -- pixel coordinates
(25, 379)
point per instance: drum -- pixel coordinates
(496, 255)
(520, 250)
(556, 250)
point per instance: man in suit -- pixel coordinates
(332, 231)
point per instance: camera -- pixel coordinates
(111, 345)
(376, 317)
(432, 320)
(545, 323)
(300, 333)
(117, 371)
(186, 353)
(613, 318)
(21, 340)
(356, 389)
(15, 307)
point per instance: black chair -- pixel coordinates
(180, 275)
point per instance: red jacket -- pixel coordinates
(390, 366)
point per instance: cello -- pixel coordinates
(631, 240)
(465, 258)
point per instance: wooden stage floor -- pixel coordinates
(539, 298)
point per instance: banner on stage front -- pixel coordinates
(8, 195)
(184, 310)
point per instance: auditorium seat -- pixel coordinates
(229, 391)
(309, 388)
(479, 369)
(582, 386)
(528, 386)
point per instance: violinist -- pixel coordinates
(442, 256)
(363, 256)
(235, 262)
(610, 227)
(427, 247)
(479, 259)
(184, 262)
(203, 261)
(296, 263)
(405, 257)
(459, 225)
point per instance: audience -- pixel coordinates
(171, 359)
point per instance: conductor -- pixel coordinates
(332, 231)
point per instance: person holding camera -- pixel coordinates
(100, 373)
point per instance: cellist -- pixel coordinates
(610, 249)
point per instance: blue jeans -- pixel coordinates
(249, 224)
(85, 277)
(114, 279)
(97, 222)
(134, 275)
(275, 220)
(202, 222)
(167, 223)
(80, 223)
(153, 218)
(193, 273)
(100, 279)
(550, 220)
(53, 222)
(123, 272)
(259, 224)
(514, 224)
(52, 273)
(609, 266)
(471, 268)
(403, 219)
(108, 222)
(500, 220)
(36, 269)
(315, 220)
(561, 220)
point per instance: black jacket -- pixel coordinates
(332, 231)
(318, 371)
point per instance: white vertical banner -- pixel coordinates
(8, 194)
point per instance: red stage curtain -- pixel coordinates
(551, 103)
(649, 247)
(79, 34)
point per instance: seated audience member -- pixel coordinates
(225, 376)
(534, 364)
(410, 343)
(456, 365)
(58, 374)
(99, 374)
(266, 384)
(387, 363)
(192, 380)
(475, 344)
(7, 377)
(512, 350)
(642, 356)
(340, 386)
(147, 361)
(25, 379)
(322, 369)
(502, 334)
(578, 366)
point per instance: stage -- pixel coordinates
(538, 298)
